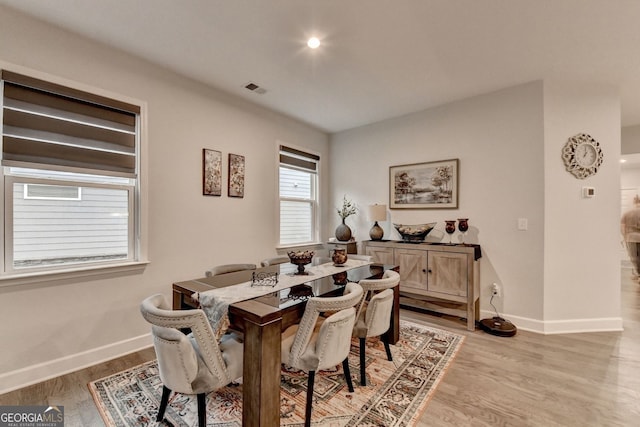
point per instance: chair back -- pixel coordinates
(368, 258)
(228, 268)
(333, 341)
(374, 312)
(193, 363)
(274, 261)
(378, 313)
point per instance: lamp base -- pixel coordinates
(376, 232)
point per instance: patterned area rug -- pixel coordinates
(395, 395)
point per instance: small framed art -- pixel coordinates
(430, 185)
(236, 175)
(211, 172)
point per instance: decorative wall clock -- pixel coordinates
(582, 155)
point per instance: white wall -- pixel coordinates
(51, 327)
(562, 274)
(582, 235)
(631, 139)
(499, 140)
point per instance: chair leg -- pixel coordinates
(202, 410)
(385, 341)
(163, 403)
(363, 374)
(347, 374)
(307, 412)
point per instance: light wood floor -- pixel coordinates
(528, 380)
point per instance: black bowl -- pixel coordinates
(414, 233)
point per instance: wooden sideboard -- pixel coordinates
(436, 277)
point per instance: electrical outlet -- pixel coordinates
(495, 290)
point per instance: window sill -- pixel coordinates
(95, 271)
(314, 245)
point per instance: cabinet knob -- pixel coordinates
(426, 271)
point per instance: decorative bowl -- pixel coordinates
(340, 279)
(414, 233)
(300, 292)
(300, 258)
(339, 256)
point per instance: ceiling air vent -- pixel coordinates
(255, 88)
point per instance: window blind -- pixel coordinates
(299, 159)
(48, 124)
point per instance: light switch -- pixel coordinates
(523, 224)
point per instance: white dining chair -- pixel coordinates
(367, 258)
(274, 261)
(318, 343)
(228, 268)
(374, 314)
(190, 364)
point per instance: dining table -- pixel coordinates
(265, 302)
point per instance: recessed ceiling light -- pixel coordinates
(313, 42)
(623, 160)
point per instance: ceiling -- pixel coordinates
(378, 58)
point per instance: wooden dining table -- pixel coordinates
(263, 319)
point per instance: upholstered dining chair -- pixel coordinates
(368, 258)
(374, 314)
(274, 261)
(228, 268)
(318, 343)
(190, 364)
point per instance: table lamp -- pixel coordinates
(377, 213)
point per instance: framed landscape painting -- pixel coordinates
(211, 172)
(431, 185)
(236, 175)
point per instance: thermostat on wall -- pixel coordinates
(588, 192)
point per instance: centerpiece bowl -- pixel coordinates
(300, 258)
(414, 233)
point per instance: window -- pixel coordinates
(298, 185)
(51, 192)
(70, 170)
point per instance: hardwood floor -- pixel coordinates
(590, 379)
(581, 380)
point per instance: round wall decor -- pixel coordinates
(582, 155)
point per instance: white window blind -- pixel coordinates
(298, 177)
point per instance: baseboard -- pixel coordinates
(611, 324)
(552, 327)
(54, 368)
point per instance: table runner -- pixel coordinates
(215, 302)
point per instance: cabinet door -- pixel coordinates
(447, 273)
(380, 255)
(413, 267)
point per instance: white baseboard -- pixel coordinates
(550, 327)
(54, 368)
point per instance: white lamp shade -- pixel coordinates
(377, 212)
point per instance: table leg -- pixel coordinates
(393, 334)
(177, 300)
(261, 374)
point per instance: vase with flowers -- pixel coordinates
(343, 232)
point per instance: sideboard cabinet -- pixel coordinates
(436, 277)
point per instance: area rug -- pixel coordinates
(395, 395)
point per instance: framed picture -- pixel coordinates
(211, 172)
(236, 175)
(431, 185)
